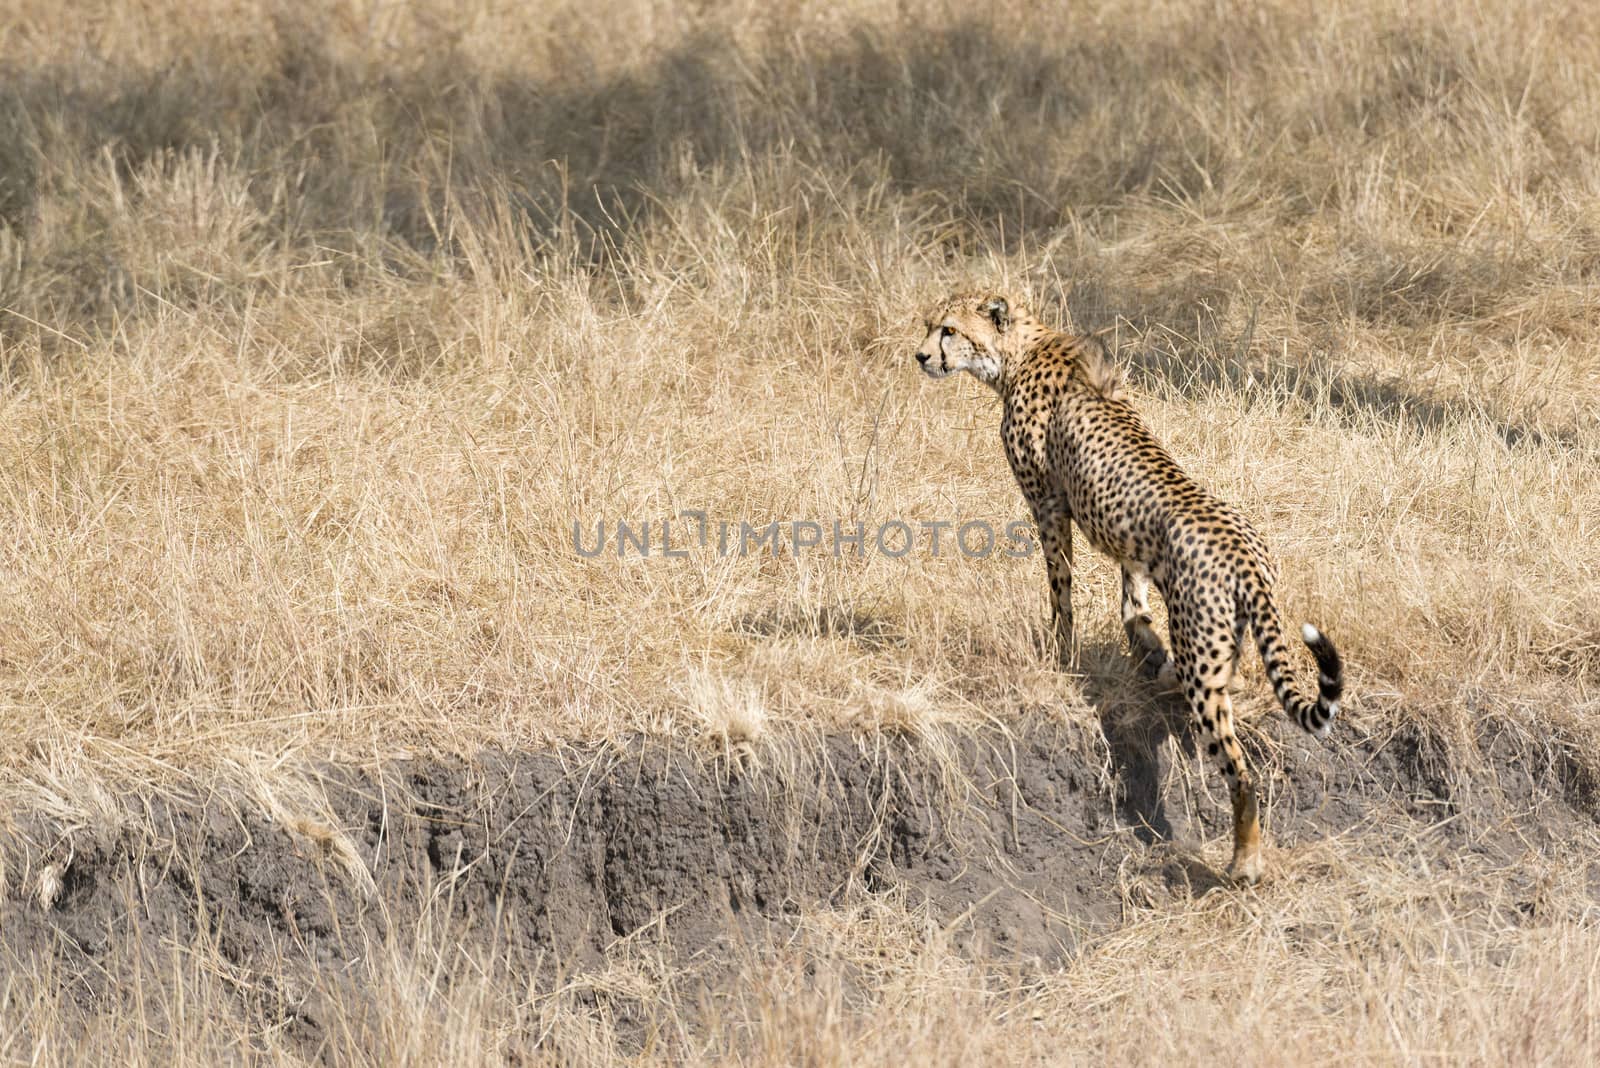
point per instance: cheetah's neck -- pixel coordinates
(1020, 339)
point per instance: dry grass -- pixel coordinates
(321, 330)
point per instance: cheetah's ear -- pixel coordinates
(998, 311)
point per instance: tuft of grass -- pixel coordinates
(733, 714)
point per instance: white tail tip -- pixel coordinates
(1311, 634)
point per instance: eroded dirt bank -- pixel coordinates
(1026, 842)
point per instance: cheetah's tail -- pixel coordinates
(1314, 716)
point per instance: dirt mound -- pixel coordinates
(1025, 842)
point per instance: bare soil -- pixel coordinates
(1019, 840)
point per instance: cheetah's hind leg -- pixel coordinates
(1203, 668)
(1144, 644)
(1213, 712)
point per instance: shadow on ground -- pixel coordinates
(384, 153)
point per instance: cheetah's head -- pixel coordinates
(965, 333)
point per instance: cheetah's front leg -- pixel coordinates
(1055, 539)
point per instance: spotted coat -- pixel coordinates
(1080, 453)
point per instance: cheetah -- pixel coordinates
(1080, 453)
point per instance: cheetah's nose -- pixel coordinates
(922, 358)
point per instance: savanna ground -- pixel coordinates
(324, 324)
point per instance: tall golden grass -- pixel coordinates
(323, 325)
